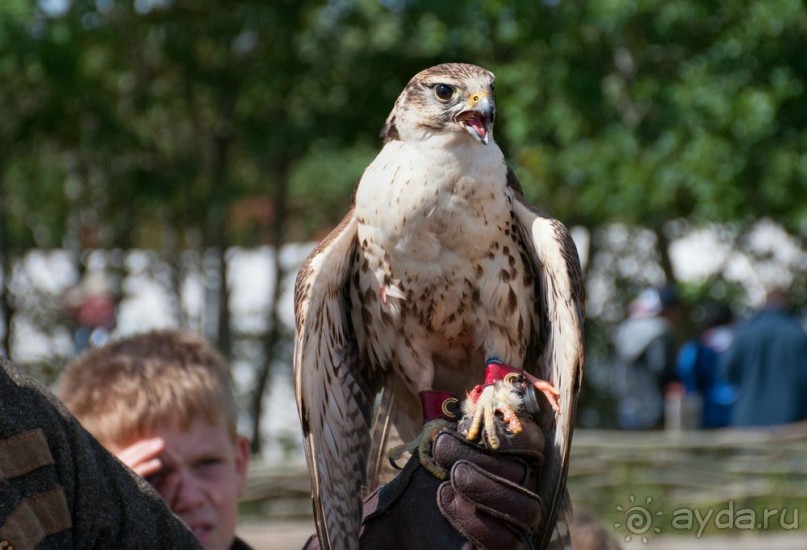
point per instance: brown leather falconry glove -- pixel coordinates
(488, 502)
(490, 498)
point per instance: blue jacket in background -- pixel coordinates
(767, 362)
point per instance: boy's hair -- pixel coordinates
(130, 387)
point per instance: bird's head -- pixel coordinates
(449, 98)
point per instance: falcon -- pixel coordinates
(439, 269)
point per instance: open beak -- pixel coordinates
(477, 117)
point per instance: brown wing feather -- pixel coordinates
(395, 423)
(560, 297)
(334, 393)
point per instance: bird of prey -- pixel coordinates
(439, 268)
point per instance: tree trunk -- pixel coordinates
(274, 330)
(664, 255)
(223, 139)
(5, 269)
(684, 314)
(172, 256)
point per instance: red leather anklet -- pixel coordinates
(439, 404)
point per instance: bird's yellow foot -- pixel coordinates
(497, 370)
(482, 405)
(504, 392)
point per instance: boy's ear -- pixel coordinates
(241, 460)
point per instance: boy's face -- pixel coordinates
(202, 475)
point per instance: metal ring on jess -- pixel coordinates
(531, 400)
(449, 407)
(512, 378)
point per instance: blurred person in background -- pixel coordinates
(92, 308)
(767, 361)
(698, 366)
(645, 362)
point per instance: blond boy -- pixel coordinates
(163, 403)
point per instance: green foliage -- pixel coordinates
(123, 122)
(636, 112)
(329, 175)
(650, 111)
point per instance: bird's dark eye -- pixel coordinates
(443, 92)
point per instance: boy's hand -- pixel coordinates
(143, 457)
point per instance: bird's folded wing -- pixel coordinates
(333, 398)
(561, 297)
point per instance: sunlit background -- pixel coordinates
(180, 158)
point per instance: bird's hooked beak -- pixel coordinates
(478, 115)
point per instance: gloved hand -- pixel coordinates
(490, 498)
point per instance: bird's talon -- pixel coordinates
(485, 402)
(511, 419)
(490, 424)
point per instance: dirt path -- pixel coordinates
(291, 535)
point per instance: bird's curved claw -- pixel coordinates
(485, 402)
